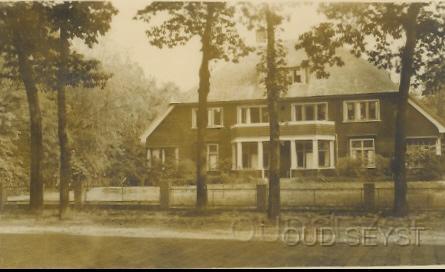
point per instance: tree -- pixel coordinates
(12, 125)
(85, 21)
(23, 42)
(213, 23)
(405, 37)
(267, 18)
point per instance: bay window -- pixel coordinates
(324, 154)
(304, 154)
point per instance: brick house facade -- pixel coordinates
(350, 114)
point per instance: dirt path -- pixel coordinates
(62, 250)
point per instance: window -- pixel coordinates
(423, 143)
(310, 112)
(296, 75)
(324, 154)
(212, 157)
(364, 150)
(304, 154)
(253, 115)
(367, 110)
(250, 155)
(266, 156)
(214, 117)
(162, 156)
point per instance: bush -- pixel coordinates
(423, 164)
(348, 167)
(354, 168)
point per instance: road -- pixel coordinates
(70, 251)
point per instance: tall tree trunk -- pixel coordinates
(65, 156)
(272, 101)
(203, 91)
(400, 186)
(35, 117)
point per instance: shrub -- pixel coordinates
(423, 164)
(354, 168)
(348, 167)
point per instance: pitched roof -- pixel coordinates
(241, 81)
(429, 114)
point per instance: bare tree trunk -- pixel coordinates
(65, 156)
(272, 100)
(203, 91)
(400, 186)
(35, 117)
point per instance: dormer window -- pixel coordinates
(297, 75)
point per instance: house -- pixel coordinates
(350, 114)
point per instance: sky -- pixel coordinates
(181, 64)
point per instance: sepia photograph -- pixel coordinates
(222, 134)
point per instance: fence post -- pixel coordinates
(3, 196)
(369, 196)
(261, 197)
(164, 195)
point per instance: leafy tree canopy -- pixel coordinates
(186, 20)
(376, 30)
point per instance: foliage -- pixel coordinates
(254, 18)
(184, 20)
(375, 30)
(348, 167)
(354, 168)
(424, 164)
(12, 130)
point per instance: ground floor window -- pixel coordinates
(364, 150)
(266, 157)
(428, 144)
(162, 156)
(304, 154)
(324, 154)
(250, 155)
(212, 157)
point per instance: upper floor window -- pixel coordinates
(214, 117)
(363, 110)
(310, 112)
(297, 75)
(253, 115)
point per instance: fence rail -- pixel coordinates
(352, 197)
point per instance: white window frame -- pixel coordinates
(210, 117)
(162, 155)
(303, 105)
(362, 149)
(357, 110)
(213, 153)
(328, 153)
(300, 71)
(437, 144)
(248, 121)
